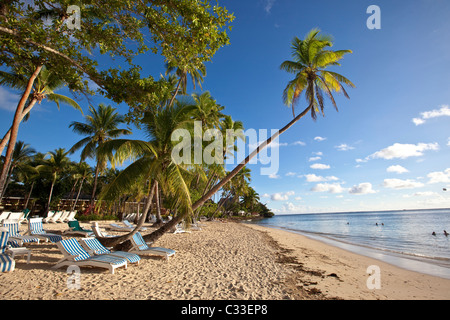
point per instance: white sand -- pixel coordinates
(223, 261)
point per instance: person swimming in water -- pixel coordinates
(446, 233)
(433, 234)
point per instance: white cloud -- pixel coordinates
(268, 5)
(274, 176)
(290, 174)
(403, 151)
(439, 177)
(314, 159)
(299, 143)
(328, 187)
(320, 153)
(444, 111)
(362, 188)
(397, 169)
(320, 166)
(320, 139)
(344, 147)
(422, 194)
(401, 184)
(314, 178)
(8, 100)
(280, 196)
(448, 143)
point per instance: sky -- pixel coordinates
(388, 146)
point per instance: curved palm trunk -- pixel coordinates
(15, 127)
(78, 195)
(8, 133)
(176, 92)
(123, 243)
(159, 220)
(29, 196)
(50, 196)
(152, 237)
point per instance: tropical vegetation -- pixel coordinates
(38, 58)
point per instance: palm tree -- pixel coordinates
(43, 87)
(312, 56)
(55, 166)
(21, 158)
(250, 199)
(83, 173)
(100, 126)
(208, 111)
(196, 73)
(153, 162)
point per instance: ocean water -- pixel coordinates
(402, 238)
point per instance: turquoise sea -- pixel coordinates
(402, 238)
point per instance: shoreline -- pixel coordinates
(223, 261)
(350, 269)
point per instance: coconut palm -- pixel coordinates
(196, 73)
(44, 87)
(312, 56)
(54, 167)
(100, 125)
(153, 161)
(83, 172)
(21, 158)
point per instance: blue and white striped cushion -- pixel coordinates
(6, 263)
(108, 259)
(14, 232)
(36, 228)
(73, 248)
(98, 248)
(140, 242)
(4, 235)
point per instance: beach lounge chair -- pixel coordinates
(14, 233)
(179, 229)
(98, 233)
(4, 215)
(55, 217)
(50, 214)
(63, 217)
(35, 228)
(116, 227)
(76, 229)
(74, 254)
(142, 247)
(7, 263)
(71, 216)
(128, 224)
(93, 245)
(19, 216)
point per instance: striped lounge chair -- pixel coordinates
(14, 233)
(141, 247)
(35, 228)
(92, 244)
(7, 263)
(74, 254)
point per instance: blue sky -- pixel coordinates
(387, 148)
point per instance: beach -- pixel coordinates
(222, 261)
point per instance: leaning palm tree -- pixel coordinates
(100, 125)
(44, 87)
(83, 172)
(312, 58)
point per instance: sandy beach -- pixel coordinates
(223, 261)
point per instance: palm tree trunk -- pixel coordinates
(122, 243)
(152, 237)
(29, 196)
(15, 127)
(78, 195)
(176, 92)
(97, 170)
(158, 221)
(50, 196)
